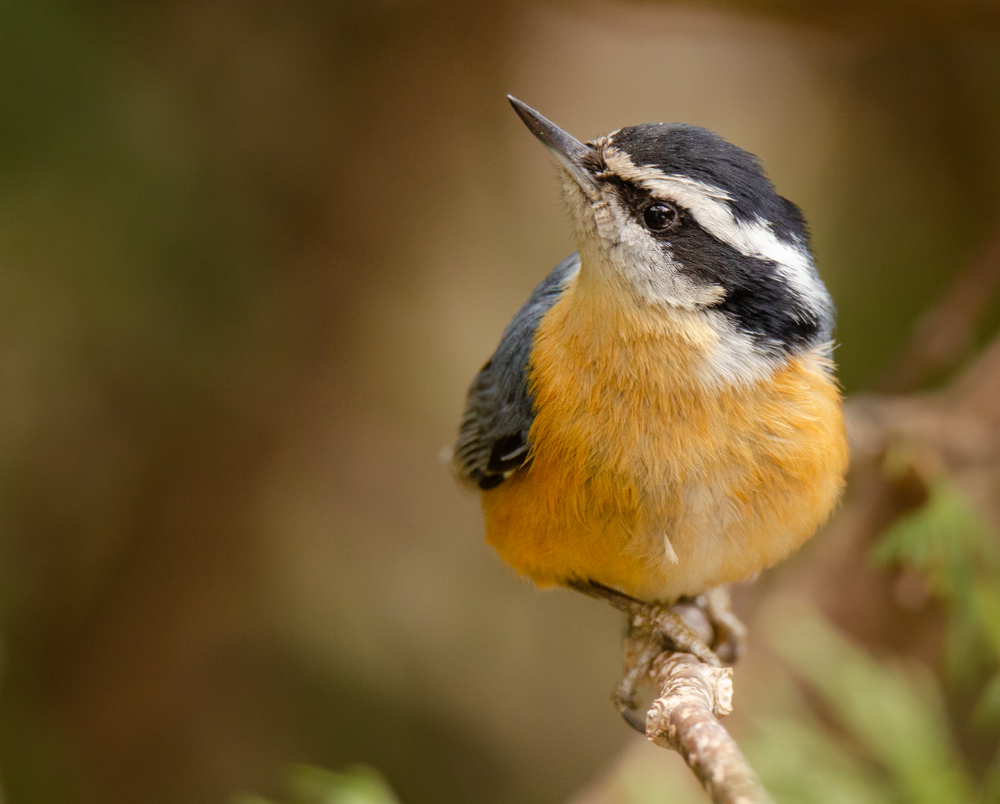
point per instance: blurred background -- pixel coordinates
(250, 257)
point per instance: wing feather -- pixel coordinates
(493, 439)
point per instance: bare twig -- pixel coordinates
(693, 695)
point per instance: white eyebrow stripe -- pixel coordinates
(708, 206)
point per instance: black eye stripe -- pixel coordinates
(757, 299)
(637, 200)
(593, 161)
(633, 198)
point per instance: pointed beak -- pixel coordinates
(565, 147)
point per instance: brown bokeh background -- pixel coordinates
(251, 255)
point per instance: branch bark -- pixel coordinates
(693, 695)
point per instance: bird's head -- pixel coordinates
(676, 217)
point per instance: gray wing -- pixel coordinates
(493, 437)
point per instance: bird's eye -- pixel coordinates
(660, 217)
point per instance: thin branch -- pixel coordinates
(693, 695)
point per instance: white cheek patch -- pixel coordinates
(652, 269)
(610, 239)
(708, 206)
(734, 359)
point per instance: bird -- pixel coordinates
(661, 417)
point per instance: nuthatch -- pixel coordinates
(661, 416)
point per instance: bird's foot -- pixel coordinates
(729, 633)
(683, 627)
(703, 626)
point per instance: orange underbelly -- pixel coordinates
(672, 490)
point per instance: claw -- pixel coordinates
(639, 661)
(730, 632)
(637, 668)
(635, 720)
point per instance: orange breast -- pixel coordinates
(646, 478)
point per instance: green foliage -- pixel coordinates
(948, 541)
(309, 785)
(957, 553)
(891, 714)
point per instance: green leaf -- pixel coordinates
(950, 543)
(940, 537)
(895, 713)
